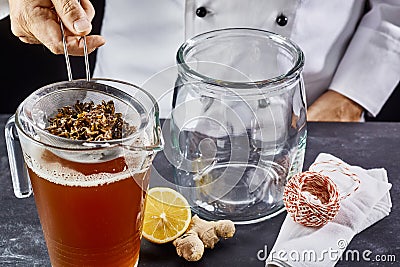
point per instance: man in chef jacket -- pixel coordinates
(352, 47)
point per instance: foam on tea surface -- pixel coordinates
(62, 171)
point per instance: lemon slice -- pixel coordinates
(167, 215)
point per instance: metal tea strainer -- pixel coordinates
(58, 95)
(138, 108)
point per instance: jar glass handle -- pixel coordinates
(19, 173)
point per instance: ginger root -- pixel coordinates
(202, 234)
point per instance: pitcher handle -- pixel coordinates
(19, 173)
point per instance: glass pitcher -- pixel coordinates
(238, 127)
(90, 196)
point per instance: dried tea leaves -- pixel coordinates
(89, 122)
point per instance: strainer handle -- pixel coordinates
(19, 173)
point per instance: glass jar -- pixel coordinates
(238, 127)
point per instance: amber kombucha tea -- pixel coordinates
(91, 213)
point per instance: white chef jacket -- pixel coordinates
(4, 10)
(354, 54)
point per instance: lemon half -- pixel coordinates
(167, 215)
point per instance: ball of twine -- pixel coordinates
(311, 198)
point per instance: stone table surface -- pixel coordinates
(369, 145)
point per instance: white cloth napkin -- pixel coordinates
(298, 245)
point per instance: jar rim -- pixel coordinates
(285, 79)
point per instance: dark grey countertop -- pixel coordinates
(369, 145)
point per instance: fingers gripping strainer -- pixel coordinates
(85, 52)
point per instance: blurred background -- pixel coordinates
(26, 68)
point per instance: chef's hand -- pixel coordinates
(332, 106)
(37, 22)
